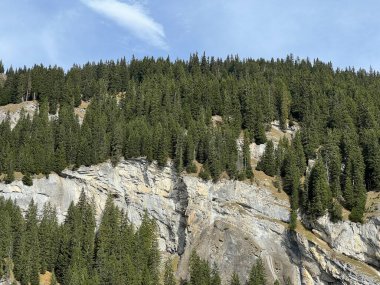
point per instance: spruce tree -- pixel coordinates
(293, 220)
(48, 236)
(268, 162)
(29, 260)
(299, 153)
(215, 277)
(27, 180)
(333, 160)
(107, 244)
(1, 67)
(291, 177)
(235, 279)
(257, 275)
(6, 238)
(168, 273)
(283, 99)
(319, 195)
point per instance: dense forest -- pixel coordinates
(162, 109)
(77, 252)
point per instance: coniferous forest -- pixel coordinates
(77, 252)
(162, 109)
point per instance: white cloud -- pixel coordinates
(132, 17)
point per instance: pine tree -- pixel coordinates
(291, 178)
(268, 162)
(200, 272)
(168, 273)
(48, 236)
(215, 277)
(107, 243)
(60, 159)
(116, 142)
(283, 103)
(299, 153)
(335, 211)
(332, 158)
(29, 260)
(147, 254)
(280, 154)
(27, 180)
(1, 67)
(293, 220)
(247, 156)
(319, 195)
(257, 275)
(6, 238)
(235, 279)
(354, 192)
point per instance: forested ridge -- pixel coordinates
(160, 109)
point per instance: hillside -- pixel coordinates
(230, 223)
(247, 162)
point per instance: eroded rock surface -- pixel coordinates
(230, 223)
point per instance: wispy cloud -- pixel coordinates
(132, 17)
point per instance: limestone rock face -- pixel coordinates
(361, 241)
(14, 111)
(230, 223)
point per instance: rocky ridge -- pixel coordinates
(229, 222)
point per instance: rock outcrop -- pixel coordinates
(230, 223)
(360, 241)
(13, 111)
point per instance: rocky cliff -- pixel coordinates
(230, 223)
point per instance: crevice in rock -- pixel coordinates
(181, 198)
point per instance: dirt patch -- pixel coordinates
(45, 279)
(198, 167)
(81, 110)
(13, 108)
(373, 204)
(268, 182)
(216, 120)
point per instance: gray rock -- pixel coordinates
(229, 223)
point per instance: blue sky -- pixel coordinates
(63, 32)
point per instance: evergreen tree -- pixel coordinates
(299, 153)
(48, 236)
(168, 273)
(283, 103)
(117, 142)
(293, 220)
(28, 267)
(333, 161)
(335, 211)
(27, 180)
(268, 162)
(147, 252)
(200, 272)
(235, 279)
(257, 276)
(5, 237)
(291, 178)
(107, 244)
(319, 195)
(215, 277)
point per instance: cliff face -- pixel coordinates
(230, 223)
